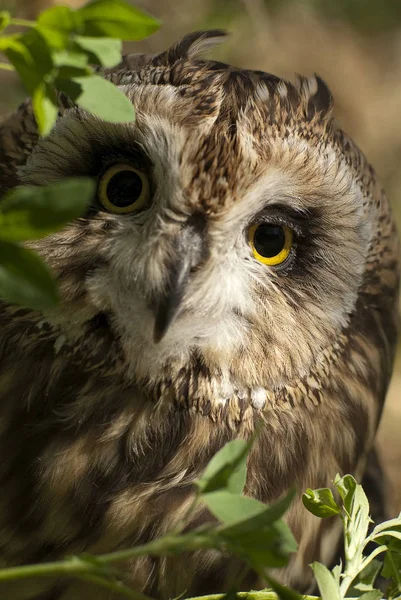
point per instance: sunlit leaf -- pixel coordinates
(231, 508)
(261, 535)
(22, 60)
(346, 487)
(117, 19)
(261, 518)
(394, 524)
(45, 106)
(72, 58)
(98, 96)
(226, 470)
(103, 51)
(321, 502)
(24, 278)
(57, 23)
(328, 586)
(33, 212)
(366, 579)
(30, 56)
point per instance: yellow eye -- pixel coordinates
(271, 244)
(123, 189)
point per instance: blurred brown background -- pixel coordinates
(355, 45)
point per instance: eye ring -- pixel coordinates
(274, 244)
(119, 181)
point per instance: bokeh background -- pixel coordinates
(355, 45)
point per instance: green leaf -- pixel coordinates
(392, 564)
(371, 595)
(72, 72)
(366, 579)
(392, 571)
(57, 23)
(45, 106)
(262, 519)
(268, 546)
(346, 487)
(321, 502)
(116, 19)
(357, 518)
(261, 537)
(23, 62)
(328, 587)
(30, 56)
(390, 524)
(226, 470)
(25, 279)
(98, 96)
(383, 538)
(336, 572)
(73, 58)
(37, 47)
(282, 591)
(232, 508)
(368, 559)
(5, 19)
(102, 51)
(28, 213)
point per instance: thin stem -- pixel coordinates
(22, 22)
(76, 566)
(264, 595)
(80, 569)
(243, 596)
(69, 566)
(6, 67)
(162, 547)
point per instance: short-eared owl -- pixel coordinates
(237, 268)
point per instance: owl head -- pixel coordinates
(236, 232)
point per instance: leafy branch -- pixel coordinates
(245, 527)
(257, 534)
(361, 568)
(56, 54)
(57, 51)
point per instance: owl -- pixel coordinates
(236, 271)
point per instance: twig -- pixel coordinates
(22, 23)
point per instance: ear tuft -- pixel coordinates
(191, 46)
(316, 95)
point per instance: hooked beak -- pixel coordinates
(190, 251)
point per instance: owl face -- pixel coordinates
(232, 224)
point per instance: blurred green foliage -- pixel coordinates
(55, 54)
(366, 16)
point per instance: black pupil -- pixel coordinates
(124, 188)
(269, 240)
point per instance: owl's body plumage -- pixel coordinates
(103, 430)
